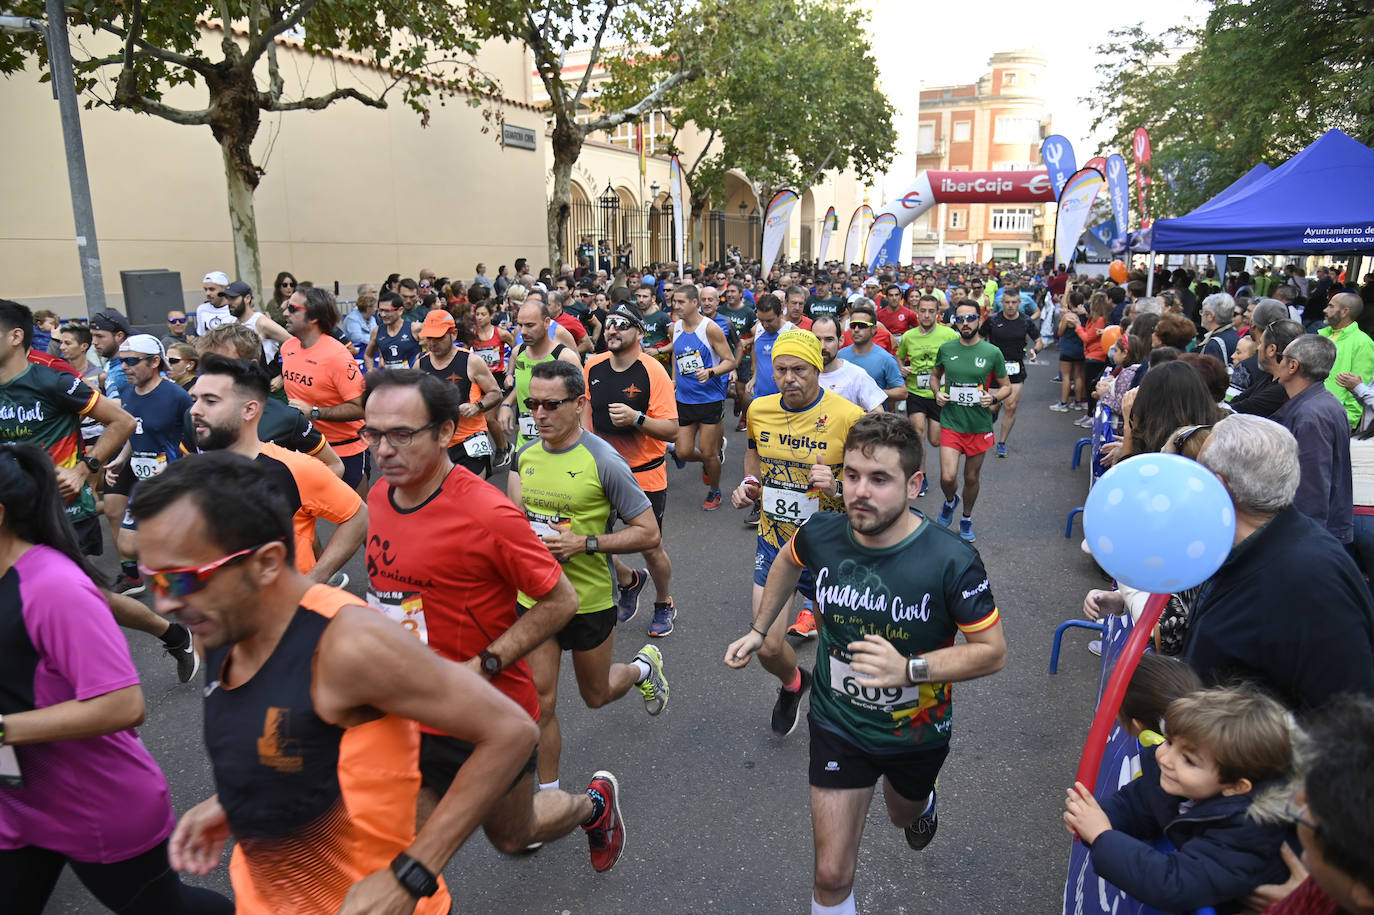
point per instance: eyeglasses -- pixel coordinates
(531, 404)
(292, 309)
(619, 323)
(425, 285)
(387, 311)
(396, 438)
(965, 319)
(131, 361)
(173, 360)
(181, 582)
(1295, 813)
(1182, 436)
(176, 320)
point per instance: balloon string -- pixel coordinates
(1110, 703)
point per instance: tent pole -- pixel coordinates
(1150, 275)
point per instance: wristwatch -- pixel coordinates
(491, 663)
(315, 413)
(414, 877)
(591, 544)
(917, 670)
(92, 463)
(639, 420)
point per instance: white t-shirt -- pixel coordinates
(854, 385)
(210, 316)
(269, 347)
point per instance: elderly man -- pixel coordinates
(1354, 350)
(1288, 608)
(1318, 421)
(1272, 332)
(1221, 338)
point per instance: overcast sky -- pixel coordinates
(945, 43)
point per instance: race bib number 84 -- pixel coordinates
(789, 505)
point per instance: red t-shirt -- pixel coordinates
(451, 568)
(572, 325)
(881, 337)
(897, 322)
(52, 362)
(1307, 899)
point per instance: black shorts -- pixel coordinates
(478, 465)
(90, 535)
(658, 501)
(124, 482)
(356, 466)
(584, 631)
(745, 370)
(1070, 357)
(707, 414)
(441, 757)
(927, 405)
(837, 763)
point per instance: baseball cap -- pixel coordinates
(111, 321)
(629, 314)
(857, 297)
(142, 344)
(871, 281)
(437, 323)
(218, 277)
(236, 289)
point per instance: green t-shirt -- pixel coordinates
(818, 306)
(658, 325)
(742, 319)
(916, 594)
(521, 365)
(918, 350)
(967, 367)
(43, 406)
(580, 490)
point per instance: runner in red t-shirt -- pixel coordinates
(894, 314)
(446, 553)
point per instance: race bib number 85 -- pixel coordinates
(965, 395)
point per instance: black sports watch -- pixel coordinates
(414, 877)
(591, 544)
(92, 463)
(491, 663)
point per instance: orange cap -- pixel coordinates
(437, 323)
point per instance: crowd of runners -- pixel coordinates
(499, 452)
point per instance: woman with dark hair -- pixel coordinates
(1213, 375)
(1172, 395)
(77, 786)
(392, 283)
(282, 289)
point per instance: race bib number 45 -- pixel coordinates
(789, 505)
(404, 607)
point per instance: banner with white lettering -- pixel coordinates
(832, 224)
(1119, 189)
(1057, 154)
(776, 217)
(884, 238)
(1075, 205)
(679, 240)
(858, 234)
(1140, 145)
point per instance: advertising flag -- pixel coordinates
(1097, 162)
(1141, 145)
(675, 187)
(832, 222)
(858, 234)
(1057, 154)
(1119, 188)
(883, 238)
(776, 217)
(1075, 205)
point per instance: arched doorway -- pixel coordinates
(579, 239)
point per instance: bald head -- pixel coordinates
(1350, 303)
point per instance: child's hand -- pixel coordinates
(1082, 814)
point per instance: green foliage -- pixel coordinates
(1257, 82)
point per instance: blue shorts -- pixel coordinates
(763, 561)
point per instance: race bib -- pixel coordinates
(689, 363)
(1013, 368)
(845, 683)
(478, 446)
(10, 776)
(397, 364)
(491, 357)
(146, 465)
(923, 380)
(965, 395)
(527, 427)
(404, 607)
(789, 505)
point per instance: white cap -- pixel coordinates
(143, 345)
(871, 281)
(218, 277)
(856, 297)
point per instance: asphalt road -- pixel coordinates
(716, 807)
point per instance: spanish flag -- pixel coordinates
(639, 142)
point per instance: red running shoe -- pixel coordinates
(606, 837)
(712, 501)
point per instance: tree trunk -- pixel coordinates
(243, 224)
(567, 146)
(234, 121)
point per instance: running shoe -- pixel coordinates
(188, 662)
(662, 624)
(919, 833)
(1095, 647)
(1083, 422)
(947, 512)
(606, 836)
(1060, 407)
(129, 587)
(628, 603)
(654, 689)
(338, 580)
(805, 626)
(755, 514)
(1001, 449)
(966, 529)
(672, 453)
(785, 710)
(741, 426)
(1057, 378)
(712, 500)
(925, 485)
(1081, 406)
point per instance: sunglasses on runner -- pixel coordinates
(131, 361)
(619, 323)
(965, 319)
(176, 320)
(531, 404)
(181, 582)
(854, 324)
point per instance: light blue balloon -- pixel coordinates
(1159, 523)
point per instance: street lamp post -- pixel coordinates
(610, 204)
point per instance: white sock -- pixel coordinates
(549, 786)
(930, 802)
(643, 667)
(846, 907)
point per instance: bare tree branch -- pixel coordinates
(650, 101)
(197, 64)
(258, 46)
(595, 54)
(139, 103)
(320, 102)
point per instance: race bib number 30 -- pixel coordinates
(404, 607)
(965, 395)
(689, 363)
(147, 465)
(844, 682)
(789, 505)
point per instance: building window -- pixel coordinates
(1011, 219)
(957, 219)
(963, 131)
(1008, 79)
(1016, 130)
(925, 139)
(1012, 166)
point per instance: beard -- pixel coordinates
(216, 438)
(875, 522)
